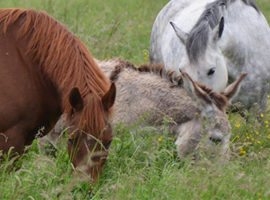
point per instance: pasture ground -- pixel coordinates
(141, 165)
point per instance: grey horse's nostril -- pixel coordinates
(215, 140)
(180, 70)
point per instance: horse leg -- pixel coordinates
(12, 138)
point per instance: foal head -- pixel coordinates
(211, 127)
(90, 132)
(203, 59)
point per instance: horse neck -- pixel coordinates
(82, 72)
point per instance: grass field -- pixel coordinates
(140, 166)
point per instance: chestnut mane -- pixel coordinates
(61, 57)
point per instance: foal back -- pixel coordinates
(147, 94)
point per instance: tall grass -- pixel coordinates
(142, 163)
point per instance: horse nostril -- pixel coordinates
(215, 140)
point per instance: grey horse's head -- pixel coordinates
(203, 60)
(211, 127)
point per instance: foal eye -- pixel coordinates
(215, 140)
(211, 71)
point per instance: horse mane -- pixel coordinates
(252, 4)
(60, 55)
(172, 76)
(198, 38)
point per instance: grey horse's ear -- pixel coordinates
(232, 90)
(218, 30)
(180, 34)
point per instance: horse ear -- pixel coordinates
(232, 90)
(75, 99)
(218, 30)
(109, 98)
(180, 34)
(194, 91)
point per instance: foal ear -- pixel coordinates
(218, 30)
(75, 99)
(232, 90)
(180, 34)
(195, 92)
(109, 98)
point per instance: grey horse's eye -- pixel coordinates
(211, 71)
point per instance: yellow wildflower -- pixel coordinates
(237, 125)
(140, 26)
(267, 122)
(256, 132)
(262, 115)
(252, 139)
(242, 151)
(248, 137)
(160, 138)
(259, 142)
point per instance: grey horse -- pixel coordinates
(215, 41)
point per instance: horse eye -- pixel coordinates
(211, 71)
(107, 146)
(70, 141)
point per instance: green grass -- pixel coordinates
(140, 166)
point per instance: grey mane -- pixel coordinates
(252, 3)
(199, 35)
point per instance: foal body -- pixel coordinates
(141, 92)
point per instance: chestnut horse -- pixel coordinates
(46, 71)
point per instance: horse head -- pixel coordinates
(203, 60)
(211, 127)
(90, 132)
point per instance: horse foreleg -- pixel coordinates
(12, 140)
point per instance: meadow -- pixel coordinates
(142, 164)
